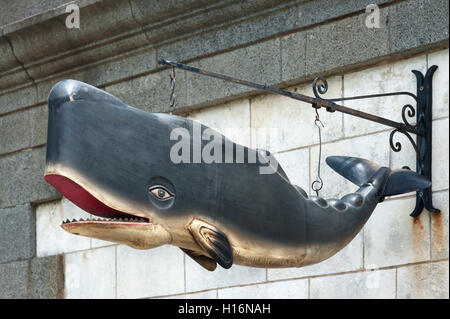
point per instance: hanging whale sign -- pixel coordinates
(156, 179)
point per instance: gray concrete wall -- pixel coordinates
(282, 43)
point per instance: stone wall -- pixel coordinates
(282, 43)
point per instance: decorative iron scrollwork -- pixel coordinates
(407, 110)
(320, 86)
(397, 147)
(411, 113)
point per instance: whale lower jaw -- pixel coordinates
(139, 235)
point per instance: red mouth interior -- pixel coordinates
(82, 198)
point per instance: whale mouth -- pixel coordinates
(90, 204)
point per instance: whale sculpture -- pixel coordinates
(116, 162)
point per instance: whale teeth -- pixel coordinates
(119, 220)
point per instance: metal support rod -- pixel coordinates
(316, 102)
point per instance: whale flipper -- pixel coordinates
(205, 262)
(360, 171)
(213, 241)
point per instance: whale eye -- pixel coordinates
(160, 192)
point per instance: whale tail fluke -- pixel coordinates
(360, 171)
(403, 181)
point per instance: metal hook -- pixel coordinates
(319, 180)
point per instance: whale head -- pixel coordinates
(138, 171)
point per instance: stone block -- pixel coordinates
(319, 11)
(51, 239)
(293, 60)
(151, 92)
(24, 129)
(25, 9)
(103, 72)
(229, 36)
(377, 284)
(345, 42)
(90, 274)
(280, 123)
(100, 21)
(392, 237)
(17, 99)
(296, 166)
(440, 169)
(47, 277)
(38, 125)
(14, 131)
(24, 39)
(149, 273)
(8, 60)
(14, 280)
(96, 243)
(291, 289)
(439, 226)
(417, 23)
(258, 63)
(350, 258)
(440, 83)
(197, 278)
(393, 77)
(17, 227)
(230, 119)
(210, 294)
(425, 281)
(161, 10)
(23, 178)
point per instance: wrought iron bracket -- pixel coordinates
(422, 144)
(424, 198)
(422, 128)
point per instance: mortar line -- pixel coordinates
(389, 29)
(115, 271)
(281, 58)
(430, 229)
(25, 108)
(184, 272)
(363, 249)
(21, 150)
(186, 86)
(250, 122)
(343, 115)
(63, 283)
(140, 26)
(394, 267)
(309, 288)
(21, 64)
(396, 283)
(309, 171)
